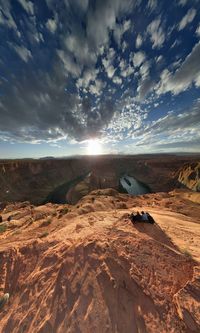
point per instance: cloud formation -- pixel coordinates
(156, 33)
(27, 6)
(74, 69)
(188, 18)
(22, 52)
(185, 75)
(178, 131)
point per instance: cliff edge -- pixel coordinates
(87, 268)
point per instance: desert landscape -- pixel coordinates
(100, 166)
(85, 267)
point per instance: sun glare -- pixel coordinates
(94, 147)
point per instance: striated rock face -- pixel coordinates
(34, 180)
(190, 176)
(97, 179)
(86, 268)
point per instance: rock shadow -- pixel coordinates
(155, 232)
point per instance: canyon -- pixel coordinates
(67, 180)
(83, 266)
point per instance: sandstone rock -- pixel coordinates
(91, 270)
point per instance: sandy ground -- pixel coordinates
(87, 268)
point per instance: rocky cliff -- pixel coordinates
(189, 176)
(69, 179)
(87, 268)
(34, 180)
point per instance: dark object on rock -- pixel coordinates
(150, 219)
(3, 300)
(1, 219)
(9, 218)
(139, 218)
(135, 218)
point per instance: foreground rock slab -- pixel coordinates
(87, 268)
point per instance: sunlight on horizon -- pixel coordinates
(94, 147)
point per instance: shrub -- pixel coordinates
(65, 210)
(46, 223)
(187, 253)
(44, 234)
(54, 213)
(3, 300)
(3, 228)
(17, 232)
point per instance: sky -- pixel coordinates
(124, 75)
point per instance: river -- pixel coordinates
(133, 186)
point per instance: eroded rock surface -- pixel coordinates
(190, 176)
(53, 180)
(87, 268)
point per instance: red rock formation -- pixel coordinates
(86, 268)
(34, 180)
(189, 176)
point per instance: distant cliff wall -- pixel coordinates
(189, 176)
(36, 180)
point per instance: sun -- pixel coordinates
(94, 147)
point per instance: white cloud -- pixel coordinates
(124, 46)
(117, 80)
(83, 4)
(184, 76)
(127, 118)
(138, 58)
(144, 69)
(145, 86)
(51, 25)
(159, 58)
(120, 29)
(89, 75)
(188, 18)
(69, 64)
(111, 71)
(79, 47)
(197, 81)
(156, 33)
(138, 42)
(6, 17)
(101, 19)
(22, 52)
(182, 2)
(97, 87)
(122, 64)
(152, 4)
(125, 69)
(108, 63)
(175, 43)
(27, 5)
(173, 124)
(198, 31)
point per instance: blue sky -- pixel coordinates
(126, 73)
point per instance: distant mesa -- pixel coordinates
(47, 158)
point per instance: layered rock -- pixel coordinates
(189, 176)
(39, 180)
